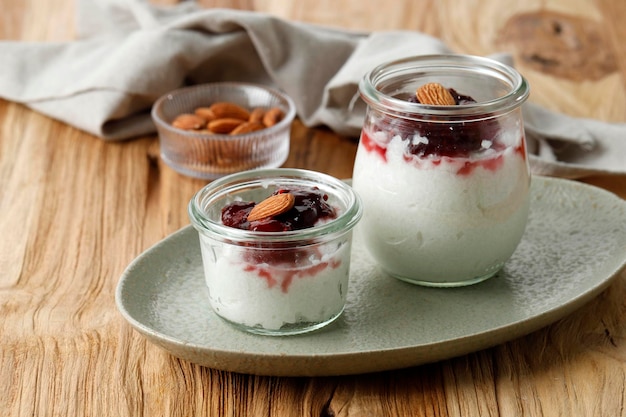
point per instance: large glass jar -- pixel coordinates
(445, 188)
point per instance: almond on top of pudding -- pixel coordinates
(441, 168)
(276, 248)
(286, 209)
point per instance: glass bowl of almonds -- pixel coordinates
(211, 130)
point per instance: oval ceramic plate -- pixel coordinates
(574, 244)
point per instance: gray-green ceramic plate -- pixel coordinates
(574, 244)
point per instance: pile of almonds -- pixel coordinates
(228, 118)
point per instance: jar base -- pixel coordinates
(447, 284)
(289, 329)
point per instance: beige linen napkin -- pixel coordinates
(129, 53)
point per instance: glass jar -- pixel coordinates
(276, 283)
(445, 189)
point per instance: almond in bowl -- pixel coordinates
(228, 118)
(211, 130)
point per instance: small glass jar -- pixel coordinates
(445, 189)
(276, 283)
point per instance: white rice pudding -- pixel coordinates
(273, 294)
(275, 248)
(441, 220)
(309, 287)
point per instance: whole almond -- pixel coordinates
(272, 206)
(188, 121)
(225, 109)
(247, 127)
(256, 115)
(206, 113)
(224, 125)
(272, 116)
(435, 94)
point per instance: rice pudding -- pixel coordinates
(277, 255)
(445, 199)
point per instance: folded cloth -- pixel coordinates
(129, 53)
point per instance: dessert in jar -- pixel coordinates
(442, 168)
(276, 248)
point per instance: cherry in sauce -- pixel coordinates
(445, 139)
(310, 207)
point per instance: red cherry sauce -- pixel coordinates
(285, 277)
(372, 146)
(444, 140)
(310, 207)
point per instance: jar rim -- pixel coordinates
(346, 220)
(515, 97)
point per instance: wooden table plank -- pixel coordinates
(76, 210)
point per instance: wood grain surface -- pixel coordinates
(76, 210)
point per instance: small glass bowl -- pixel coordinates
(275, 283)
(210, 156)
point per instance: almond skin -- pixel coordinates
(272, 116)
(272, 207)
(247, 127)
(206, 113)
(228, 110)
(257, 114)
(224, 125)
(435, 94)
(187, 121)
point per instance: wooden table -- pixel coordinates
(77, 210)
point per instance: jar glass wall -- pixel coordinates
(276, 282)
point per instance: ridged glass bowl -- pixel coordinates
(206, 155)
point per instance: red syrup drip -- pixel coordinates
(371, 146)
(491, 164)
(521, 149)
(273, 276)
